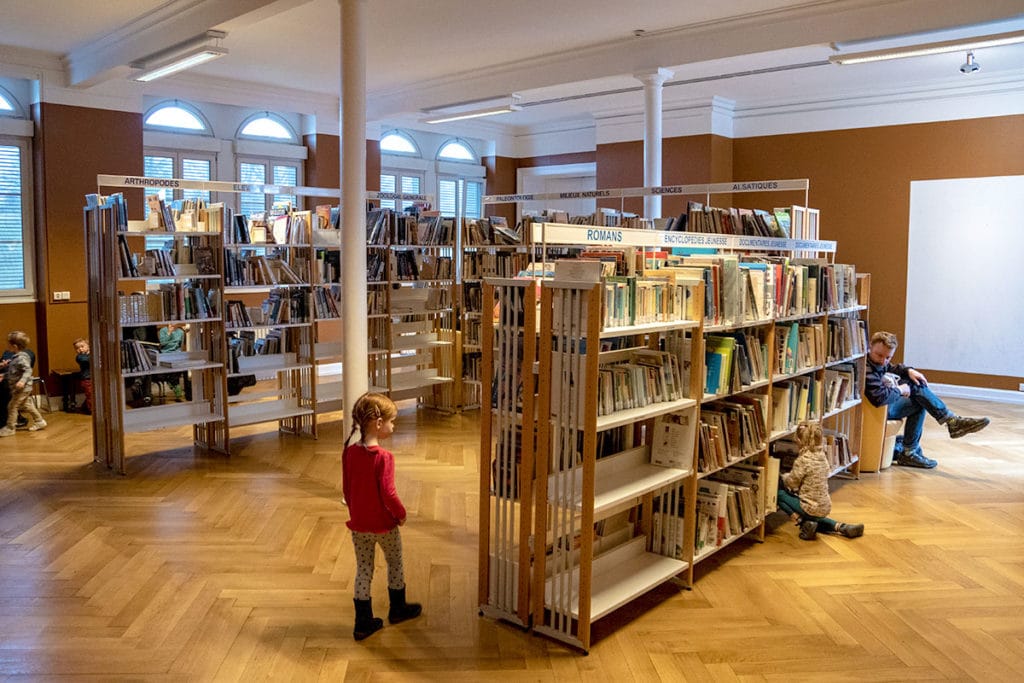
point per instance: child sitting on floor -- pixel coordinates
(804, 494)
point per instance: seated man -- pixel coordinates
(905, 391)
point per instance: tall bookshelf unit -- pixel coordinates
(180, 282)
(483, 256)
(595, 514)
(411, 288)
(609, 532)
(270, 319)
(507, 449)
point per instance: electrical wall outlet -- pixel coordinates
(62, 296)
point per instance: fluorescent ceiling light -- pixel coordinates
(959, 45)
(475, 113)
(186, 61)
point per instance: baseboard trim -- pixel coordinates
(978, 393)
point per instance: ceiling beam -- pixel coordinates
(819, 22)
(170, 24)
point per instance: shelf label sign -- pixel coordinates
(800, 185)
(564, 233)
(219, 186)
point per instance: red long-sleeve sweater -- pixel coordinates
(368, 481)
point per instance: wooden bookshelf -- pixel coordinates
(138, 288)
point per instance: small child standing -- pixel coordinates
(84, 360)
(19, 376)
(375, 511)
(805, 494)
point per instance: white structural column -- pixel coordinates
(355, 378)
(653, 82)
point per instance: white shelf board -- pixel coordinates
(170, 415)
(853, 402)
(708, 552)
(419, 345)
(399, 383)
(164, 370)
(648, 328)
(619, 576)
(265, 411)
(631, 415)
(619, 481)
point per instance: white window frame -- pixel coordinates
(400, 175)
(406, 136)
(268, 163)
(460, 193)
(276, 118)
(178, 157)
(190, 108)
(28, 292)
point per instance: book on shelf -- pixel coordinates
(204, 261)
(672, 441)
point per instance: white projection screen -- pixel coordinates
(965, 276)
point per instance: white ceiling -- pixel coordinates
(429, 53)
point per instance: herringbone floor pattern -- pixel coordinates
(206, 568)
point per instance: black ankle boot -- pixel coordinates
(366, 623)
(401, 610)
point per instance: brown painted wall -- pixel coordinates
(373, 165)
(860, 179)
(322, 164)
(501, 179)
(73, 145)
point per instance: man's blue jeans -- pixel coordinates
(914, 407)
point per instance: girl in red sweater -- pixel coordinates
(375, 511)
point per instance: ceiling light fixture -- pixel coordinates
(512, 106)
(994, 40)
(180, 57)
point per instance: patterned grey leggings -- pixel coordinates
(365, 545)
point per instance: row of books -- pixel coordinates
(409, 264)
(633, 300)
(768, 287)
(325, 301)
(734, 360)
(841, 384)
(245, 269)
(798, 346)
(650, 377)
(480, 264)
(492, 230)
(847, 337)
(793, 401)
(138, 356)
(732, 221)
(171, 301)
(386, 226)
(731, 430)
(283, 306)
(723, 510)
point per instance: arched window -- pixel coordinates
(456, 150)
(5, 104)
(268, 127)
(397, 142)
(176, 116)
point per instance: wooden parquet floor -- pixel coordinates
(196, 568)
